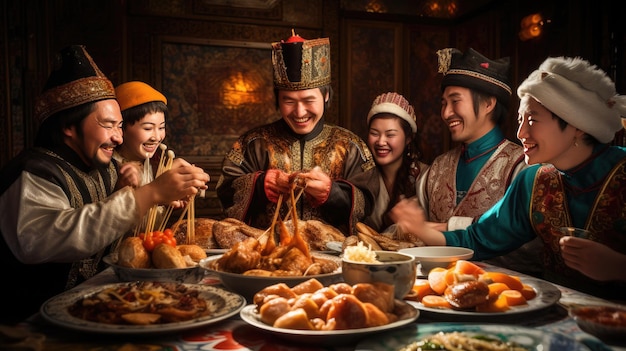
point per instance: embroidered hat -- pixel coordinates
(395, 104)
(301, 64)
(474, 71)
(135, 93)
(75, 80)
(578, 92)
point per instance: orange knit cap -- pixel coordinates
(135, 93)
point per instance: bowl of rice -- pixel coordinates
(360, 264)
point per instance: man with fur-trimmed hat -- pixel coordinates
(59, 212)
(464, 182)
(569, 112)
(332, 165)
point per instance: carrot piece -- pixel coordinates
(498, 305)
(467, 267)
(451, 277)
(495, 289)
(435, 301)
(437, 279)
(512, 282)
(513, 297)
(528, 292)
(422, 288)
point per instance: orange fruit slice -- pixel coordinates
(513, 297)
(437, 279)
(512, 282)
(435, 301)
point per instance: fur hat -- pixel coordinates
(394, 104)
(75, 80)
(131, 94)
(474, 71)
(579, 93)
(301, 64)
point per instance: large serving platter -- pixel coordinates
(327, 337)
(529, 338)
(547, 296)
(225, 303)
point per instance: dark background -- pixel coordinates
(211, 58)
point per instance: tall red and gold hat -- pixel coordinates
(301, 64)
(75, 80)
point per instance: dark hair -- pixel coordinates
(50, 132)
(499, 111)
(587, 138)
(410, 156)
(324, 89)
(134, 114)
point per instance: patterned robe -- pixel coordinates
(57, 218)
(542, 199)
(340, 154)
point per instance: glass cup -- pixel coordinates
(577, 232)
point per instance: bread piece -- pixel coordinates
(366, 229)
(228, 232)
(165, 256)
(203, 232)
(369, 241)
(132, 254)
(195, 252)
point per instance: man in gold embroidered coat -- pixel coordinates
(333, 165)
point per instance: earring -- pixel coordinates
(575, 142)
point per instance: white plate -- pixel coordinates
(547, 295)
(216, 251)
(55, 310)
(530, 338)
(318, 337)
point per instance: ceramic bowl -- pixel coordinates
(430, 257)
(248, 285)
(395, 268)
(190, 275)
(605, 322)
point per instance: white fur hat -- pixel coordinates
(578, 92)
(394, 104)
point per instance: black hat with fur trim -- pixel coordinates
(75, 80)
(474, 71)
(301, 64)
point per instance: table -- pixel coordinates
(235, 334)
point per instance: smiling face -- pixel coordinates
(457, 111)
(142, 139)
(100, 132)
(543, 139)
(301, 109)
(386, 140)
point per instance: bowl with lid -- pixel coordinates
(390, 267)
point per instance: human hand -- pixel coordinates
(593, 259)
(180, 182)
(276, 183)
(409, 218)
(129, 174)
(317, 186)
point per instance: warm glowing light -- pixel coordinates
(237, 90)
(531, 27)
